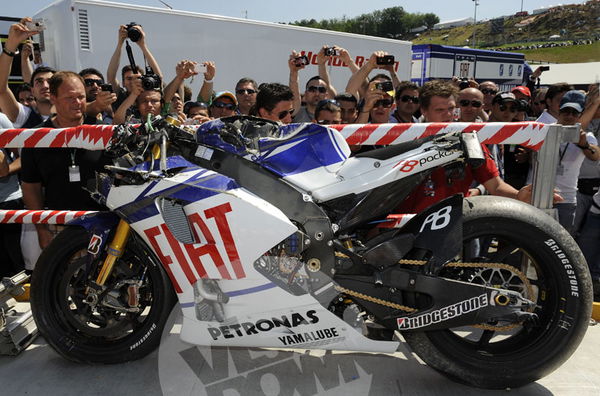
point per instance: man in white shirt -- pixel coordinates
(571, 156)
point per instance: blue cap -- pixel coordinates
(573, 99)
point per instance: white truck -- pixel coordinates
(83, 33)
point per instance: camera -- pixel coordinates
(463, 84)
(385, 86)
(201, 69)
(330, 51)
(151, 81)
(544, 68)
(36, 25)
(133, 34)
(301, 61)
(523, 105)
(385, 60)
(106, 87)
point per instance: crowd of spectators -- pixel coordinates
(54, 178)
(553, 44)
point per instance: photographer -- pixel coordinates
(136, 34)
(316, 90)
(358, 83)
(148, 101)
(174, 90)
(99, 97)
(23, 116)
(377, 106)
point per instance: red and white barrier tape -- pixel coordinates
(96, 137)
(41, 216)
(91, 137)
(528, 134)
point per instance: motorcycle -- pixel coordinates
(274, 236)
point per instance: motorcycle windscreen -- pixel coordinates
(228, 226)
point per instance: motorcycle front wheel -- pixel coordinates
(528, 244)
(124, 322)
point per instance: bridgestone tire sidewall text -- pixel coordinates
(559, 257)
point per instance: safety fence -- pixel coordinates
(542, 138)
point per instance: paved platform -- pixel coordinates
(181, 369)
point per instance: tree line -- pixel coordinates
(391, 22)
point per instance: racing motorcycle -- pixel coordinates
(274, 236)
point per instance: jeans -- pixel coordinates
(566, 215)
(589, 242)
(584, 203)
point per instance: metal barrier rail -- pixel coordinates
(543, 138)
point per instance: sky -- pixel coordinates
(288, 11)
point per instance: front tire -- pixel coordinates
(519, 235)
(98, 334)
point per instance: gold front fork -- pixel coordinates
(119, 241)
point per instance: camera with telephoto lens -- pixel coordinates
(330, 51)
(463, 84)
(150, 80)
(133, 34)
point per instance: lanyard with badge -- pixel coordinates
(561, 169)
(74, 174)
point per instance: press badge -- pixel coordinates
(74, 175)
(560, 170)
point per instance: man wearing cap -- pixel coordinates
(504, 107)
(571, 156)
(522, 92)
(223, 104)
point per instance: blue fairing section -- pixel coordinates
(200, 184)
(297, 148)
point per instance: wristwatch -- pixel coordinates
(587, 147)
(10, 53)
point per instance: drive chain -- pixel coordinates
(405, 308)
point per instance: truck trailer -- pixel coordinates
(432, 61)
(83, 33)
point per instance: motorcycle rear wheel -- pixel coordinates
(540, 248)
(82, 333)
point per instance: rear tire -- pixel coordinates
(98, 335)
(539, 247)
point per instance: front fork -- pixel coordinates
(117, 246)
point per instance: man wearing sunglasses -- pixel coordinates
(316, 91)
(470, 102)
(275, 102)
(99, 102)
(223, 104)
(245, 92)
(489, 89)
(328, 112)
(407, 103)
(571, 157)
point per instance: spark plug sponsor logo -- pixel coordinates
(310, 337)
(409, 165)
(263, 325)
(443, 314)
(551, 243)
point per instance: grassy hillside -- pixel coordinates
(572, 22)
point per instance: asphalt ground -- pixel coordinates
(177, 368)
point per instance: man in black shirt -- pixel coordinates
(55, 178)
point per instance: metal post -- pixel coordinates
(544, 165)
(475, 24)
